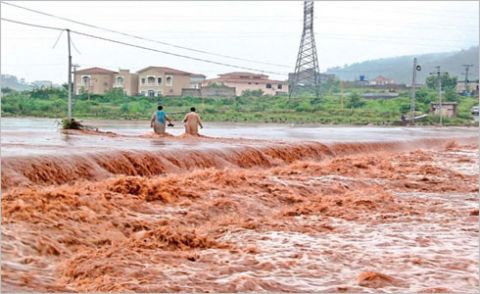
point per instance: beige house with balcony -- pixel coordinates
(126, 81)
(93, 80)
(98, 80)
(243, 81)
(156, 81)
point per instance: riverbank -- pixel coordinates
(331, 109)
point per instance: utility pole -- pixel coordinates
(467, 82)
(439, 83)
(69, 78)
(414, 84)
(75, 66)
(341, 93)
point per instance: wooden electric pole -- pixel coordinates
(439, 77)
(74, 66)
(414, 81)
(69, 78)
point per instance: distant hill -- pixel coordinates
(400, 68)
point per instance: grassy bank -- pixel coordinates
(332, 108)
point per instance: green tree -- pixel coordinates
(451, 95)
(447, 81)
(355, 101)
(405, 108)
(7, 90)
(114, 94)
(124, 107)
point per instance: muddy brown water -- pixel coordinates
(385, 212)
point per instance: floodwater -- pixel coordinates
(247, 208)
(20, 136)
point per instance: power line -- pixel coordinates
(58, 39)
(175, 54)
(143, 38)
(149, 49)
(33, 25)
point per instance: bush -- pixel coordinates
(355, 101)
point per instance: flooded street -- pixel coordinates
(41, 136)
(246, 208)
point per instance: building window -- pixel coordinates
(86, 81)
(159, 93)
(256, 83)
(151, 93)
(143, 80)
(159, 80)
(249, 83)
(151, 80)
(143, 93)
(269, 86)
(105, 84)
(169, 80)
(119, 81)
(279, 86)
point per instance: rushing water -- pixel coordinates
(24, 136)
(271, 208)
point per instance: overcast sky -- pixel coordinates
(265, 31)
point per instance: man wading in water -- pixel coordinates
(192, 121)
(159, 121)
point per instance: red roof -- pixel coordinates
(95, 70)
(167, 70)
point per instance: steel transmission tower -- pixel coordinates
(307, 72)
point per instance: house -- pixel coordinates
(162, 81)
(448, 109)
(246, 81)
(473, 87)
(126, 81)
(98, 80)
(381, 81)
(196, 81)
(93, 80)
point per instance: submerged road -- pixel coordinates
(35, 136)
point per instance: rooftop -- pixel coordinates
(95, 70)
(165, 69)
